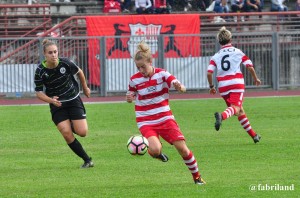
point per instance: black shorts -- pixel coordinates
(70, 110)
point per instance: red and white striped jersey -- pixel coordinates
(227, 63)
(152, 97)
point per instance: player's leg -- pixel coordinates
(80, 127)
(189, 160)
(155, 146)
(233, 102)
(77, 114)
(155, 149)
(243, 119)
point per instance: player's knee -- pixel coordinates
(154, 152)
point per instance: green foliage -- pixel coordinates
(36, 162)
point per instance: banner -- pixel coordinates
(129, 30)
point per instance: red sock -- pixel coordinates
(191, 163)
(246, 125)
(230, 111)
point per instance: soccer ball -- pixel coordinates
(137, 145)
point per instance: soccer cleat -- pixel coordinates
(256, 138)
(163, 157)
(88, 164)
(199, 181)
(218, 122)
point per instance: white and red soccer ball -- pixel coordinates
(137, 145)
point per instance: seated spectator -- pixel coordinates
(203, 4)
(160, 7)
(237, 6)
(125, 5)
(221, 6)
(278, 6)
(143, 6)
(252, 6)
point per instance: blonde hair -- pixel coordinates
(143, 52)
(224, 36)
(46, 43)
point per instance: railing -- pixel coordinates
(272, 44)
(276, 58)
(18, 19)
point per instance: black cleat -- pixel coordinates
(256, 138)
(88, 164)
(162, 157)
(218, 122)
(199, 181)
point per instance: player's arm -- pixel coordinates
(86, 89)
(257, 82)
(42, 96)
(212, 88)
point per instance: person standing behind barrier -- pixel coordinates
(55, 84)
(226, 62)
(143, 6)
(150, 89)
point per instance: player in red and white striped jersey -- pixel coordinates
(226, 63)
(150, 89)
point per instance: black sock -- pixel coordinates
(78, 150)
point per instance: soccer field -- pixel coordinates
(36, 162)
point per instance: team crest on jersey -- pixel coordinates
(62, 70)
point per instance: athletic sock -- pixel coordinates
(191, 162)
(78, 150)
(246, 125)
(230, 111)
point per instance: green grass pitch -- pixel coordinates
(36, 162)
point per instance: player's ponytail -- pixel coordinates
(143, 52)
(224, 36)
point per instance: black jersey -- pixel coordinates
(58, 81)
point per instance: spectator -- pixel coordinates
(203, 4)
(170, 4)
(143, 6)
(221, 6)
(237, 6)
(125, 5)
(278, 6)
(187, 6)
(252, 6)
(160, 7)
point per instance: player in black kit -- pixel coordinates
(56, 85)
